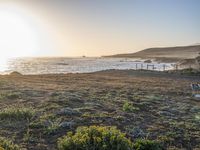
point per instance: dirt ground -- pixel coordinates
(162, 107)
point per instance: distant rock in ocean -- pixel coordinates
(64, 64)
(15, 73)
(148, 61)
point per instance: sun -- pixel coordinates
(17, 35)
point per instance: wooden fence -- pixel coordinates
(164, 67)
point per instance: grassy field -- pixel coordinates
(37, 110)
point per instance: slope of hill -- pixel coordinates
(179, 53)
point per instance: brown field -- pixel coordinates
(38, 109)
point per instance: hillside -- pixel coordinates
(174, 53)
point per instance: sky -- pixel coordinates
(95, 27)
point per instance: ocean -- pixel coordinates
(76, 65)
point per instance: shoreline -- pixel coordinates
(82, 65)
(133, 72)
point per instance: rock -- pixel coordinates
(93, 104)
(137, 133)
(74, 97)
(147, 61)
(67, 124)
(166, 113)
(15, 73)
(68, 111)
(193, 63)
(195, 109)
(63, 64)
(47, 123)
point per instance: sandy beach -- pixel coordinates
(162, 106)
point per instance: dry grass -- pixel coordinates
(61, 103)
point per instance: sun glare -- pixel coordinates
(17, 36)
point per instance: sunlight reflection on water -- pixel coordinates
(3, 64)
(73, 65)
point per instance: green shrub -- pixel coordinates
(53, 127)
(14, 113)
(95, 138)
(190, 71)
(10, 95)
(7, 144)
(146, 145)
(1, 148)
(128, 107)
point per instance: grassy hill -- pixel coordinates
(173, 53)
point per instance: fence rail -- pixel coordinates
(163, 67)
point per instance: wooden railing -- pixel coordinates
(164, 67)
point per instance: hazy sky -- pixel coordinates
(97, 27)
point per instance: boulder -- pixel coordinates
(68, 111)
(137, 133)
(147, 61)
(67, 124)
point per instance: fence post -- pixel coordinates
(176, 67)
(164, 67)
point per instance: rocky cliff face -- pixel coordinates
(190, 63)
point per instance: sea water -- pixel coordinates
(76, 65)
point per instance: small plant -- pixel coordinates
(16, 113)
(95, 138)
(11, 95)
(128, 107)
(189, 71)
(28, 136)
(154, 97)
(119, 118)
(146, 145)
(53, 127)
(197, 117)
(7, 144)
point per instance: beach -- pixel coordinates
(162, 106)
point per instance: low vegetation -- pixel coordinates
(95, 137)
(142, 144)
(103, 138)
(190, 71)
(128, 107)
(16, 113)
(6, 144)
(187, 71)
(156, 108)
(10, 95)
